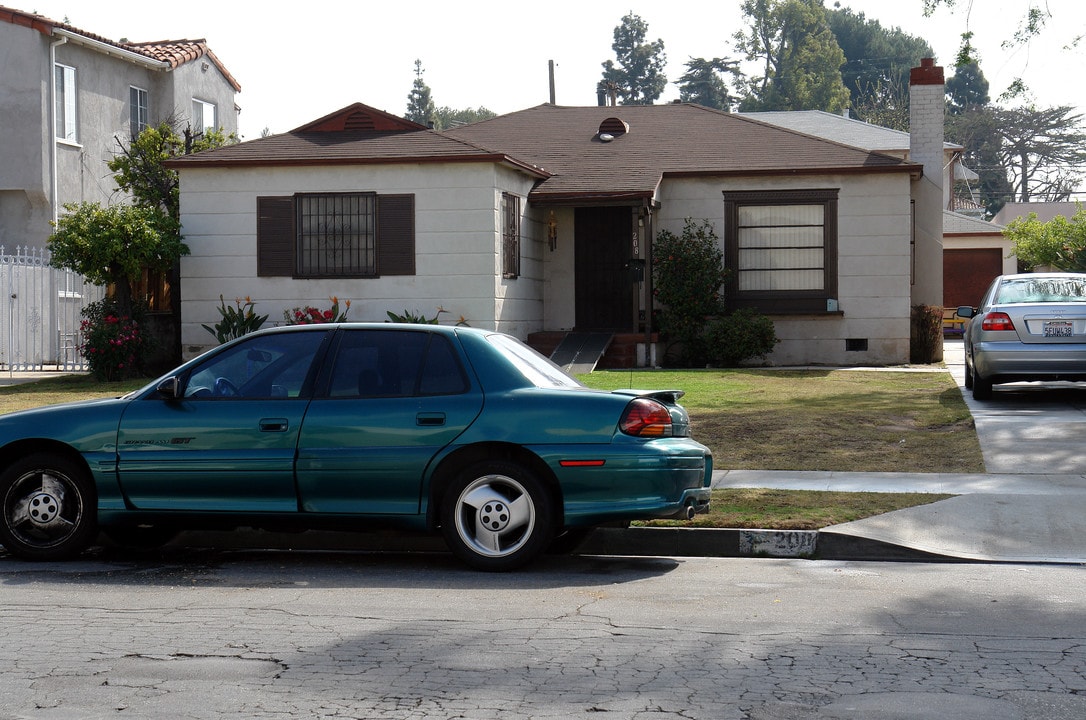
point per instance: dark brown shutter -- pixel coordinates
(275, 236)
(396, 234)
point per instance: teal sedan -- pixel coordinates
(450, 430)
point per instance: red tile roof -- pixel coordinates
(173, 52)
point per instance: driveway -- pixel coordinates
(1027, 428)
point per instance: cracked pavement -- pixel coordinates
(352, 635)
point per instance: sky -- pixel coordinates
(298, 62)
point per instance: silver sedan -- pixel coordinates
(1028, 327)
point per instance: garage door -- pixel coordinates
(967, 274)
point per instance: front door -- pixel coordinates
(605, 290)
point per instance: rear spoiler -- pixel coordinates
(668, 397)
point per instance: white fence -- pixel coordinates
(41, 328)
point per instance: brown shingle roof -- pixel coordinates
(172, 52)
(337, 139)
(662, 140)
(565, 149)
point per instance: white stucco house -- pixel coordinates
(540, 222)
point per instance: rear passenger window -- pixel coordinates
(395, 363)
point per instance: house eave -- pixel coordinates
(112, 50)
(213, 162)
(914, 170)
(581, 199)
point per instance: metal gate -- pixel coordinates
(44, 311)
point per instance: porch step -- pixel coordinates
(579, 352)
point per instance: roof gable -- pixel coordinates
(359, 117)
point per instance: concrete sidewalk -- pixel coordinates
(1029, 507)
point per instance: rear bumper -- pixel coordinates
(1010, 361)
(637, 480)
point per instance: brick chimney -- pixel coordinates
(927, 103)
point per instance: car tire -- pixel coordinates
(982, 388)
(968, 376)
(497, 516)
(49, 508)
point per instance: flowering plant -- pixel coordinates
(113, 345)
(236, 322)
(310, 315)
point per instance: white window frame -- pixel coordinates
(67, 125)
(138, 110)
(200, 111)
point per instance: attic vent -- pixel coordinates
(358, 121)
(614, 127)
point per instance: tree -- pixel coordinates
(976, 130)
(420, 106)
(639, 78)
(799, 54)
(877, 59)
(966, 89)
(1043, 150)
(886, 104)
(112, 245)
(447, 117)
(1060, 243)
(139, 167)
(704, 83)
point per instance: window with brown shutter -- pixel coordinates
(314, 235)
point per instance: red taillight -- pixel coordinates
(645, 418)
(997, 321)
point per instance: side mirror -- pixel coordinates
(965, 311)
(169, 388)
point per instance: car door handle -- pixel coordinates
(430, 419)
(274, 425)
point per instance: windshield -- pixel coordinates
(536, 368)
(1042, 290)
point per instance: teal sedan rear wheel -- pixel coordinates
(49, 510)
(497, 516)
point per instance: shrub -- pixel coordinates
(1059, 243)
(688, 273)
(114, 345)
(236, 321)
(310, 315)
(742, 335)
(417, 318)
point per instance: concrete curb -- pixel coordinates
(635, 541)
(711, 542)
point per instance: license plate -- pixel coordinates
(1057, 328)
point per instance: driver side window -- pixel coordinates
(265, 367)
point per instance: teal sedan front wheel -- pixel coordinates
(49, 510)
(497, 516)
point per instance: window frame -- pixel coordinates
(203, 105)
(511, 223)
(66, 106)
(808, 301)
(367, 237)
(277, 237)
(138, 110)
